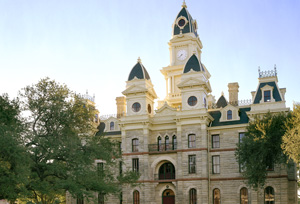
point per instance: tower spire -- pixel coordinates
(183, 4)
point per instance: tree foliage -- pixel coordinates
(62, 147)
(13, 156)
(291, 139)
(260, 149)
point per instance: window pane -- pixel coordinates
(192, 163)
(193, 196)
(229, 115)
(192, 141)
(269, 195)
(215, 141)
(136, 197)
(174, 142)
(216, 196)
(135, 145)
(267, 96)
(216, 164)
(135, 165)
(244, 196)
(241, 136)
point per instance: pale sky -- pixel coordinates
(93, 44)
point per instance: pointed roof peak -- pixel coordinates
(184, 4)
(138, 71)
(193, 64)
(139, 60)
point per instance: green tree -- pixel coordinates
(260, 149)
(63, 148)
(13, 157)
(291, 139)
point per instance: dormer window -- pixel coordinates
(112, 126)
(229, 115)
(267, 96)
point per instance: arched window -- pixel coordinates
(159, 146)
(174, 142)
(166, 171)
(216, 196)
(135, 145)
(136, 197)
(244, 195)
(167, 143)
(229, 115)
(192, 140)
(193, 196)
(112, 126)
(269, 195)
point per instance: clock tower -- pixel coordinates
(184, 43)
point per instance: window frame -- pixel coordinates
(242, 201)
(135, 145)
(192, 101)
(192, 164)
(214, 201)
(174, 142)
(215, 143)
(135, 165)
(229, 115)
(267, 95)
(112, 125)
(268, 188)
(241, 136)
(136, 197)
(192, 196)
(191, 143)
(216, 166)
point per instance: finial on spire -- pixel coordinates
(183, 4)
(275, 69)
(222, 93)
(139, 60)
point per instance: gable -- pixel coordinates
(275, 92)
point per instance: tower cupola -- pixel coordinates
(184, 23)
(138, 71)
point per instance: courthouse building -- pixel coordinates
(184, 148)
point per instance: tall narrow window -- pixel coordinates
(167, 143)
(135, 145)
(229, 115)
(216, 196)
(192, 164)
(216, 164)
(215, 141)
(159, 146)
(193, 196)
(174, 142)
(267, 96)
(135, 165)
(101, 198)
(100, 168)
(241, 136)
(112, 126)
(79, 200)
(269, 195)
(136, 197)
(192, 140)
(244, 195)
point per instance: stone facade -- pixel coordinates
(185, 149)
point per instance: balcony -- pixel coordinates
(162, 147)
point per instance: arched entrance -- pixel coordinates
(167, 171)
(168, 197)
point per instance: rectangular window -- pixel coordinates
(135, 145)
(215, 141)
(216, 164)
(100, 168)
(267, 96)
(192, 164)
(135, 165)
(192, 141)
(241, 136)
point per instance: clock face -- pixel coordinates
(181, 54)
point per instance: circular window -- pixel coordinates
(192, 100)
(181, 22)
(136, 107)
(149, 108)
